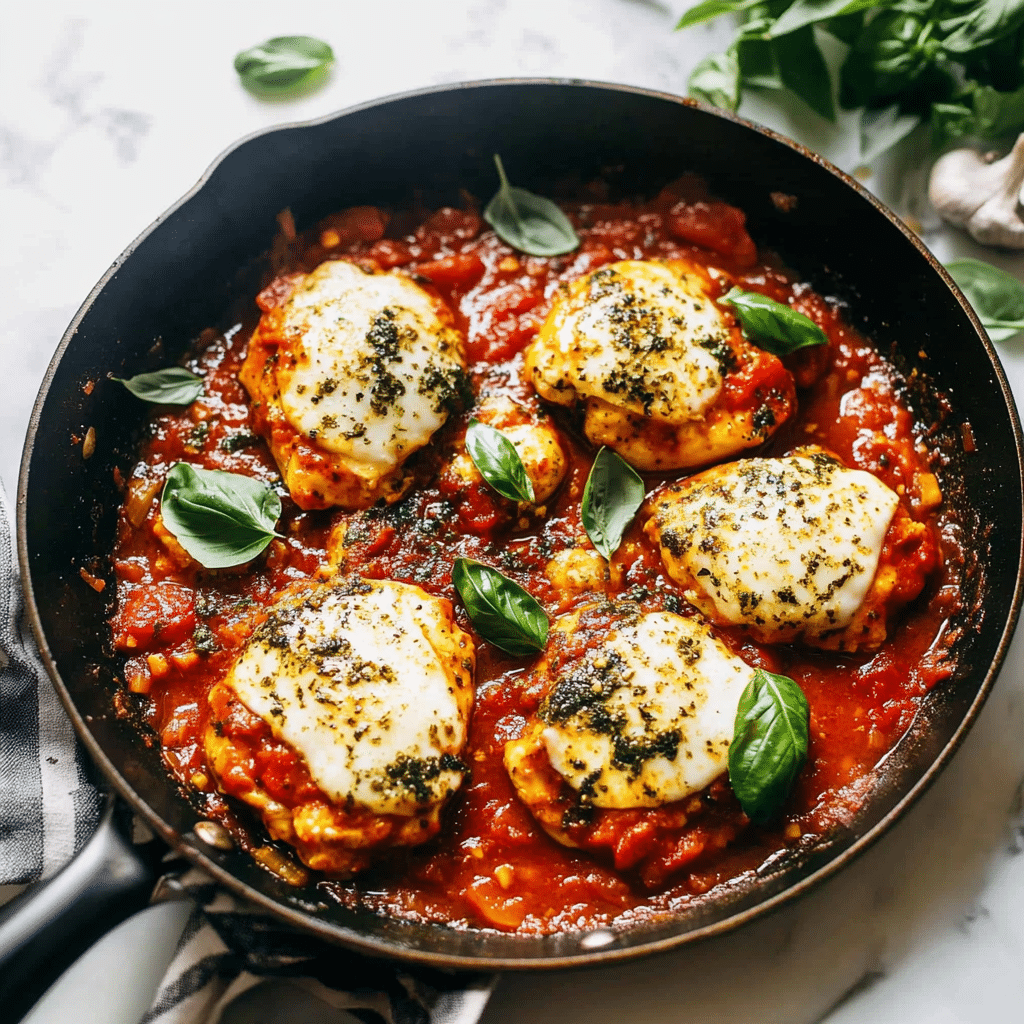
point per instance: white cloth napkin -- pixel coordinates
(49, 808)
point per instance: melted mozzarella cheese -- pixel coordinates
(642, 336)
(647, 718)
(789, 545)
(368, 684)
(374, 364)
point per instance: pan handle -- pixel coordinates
(46, 928)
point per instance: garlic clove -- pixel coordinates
(983, 197)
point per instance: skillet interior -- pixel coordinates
(198, 259)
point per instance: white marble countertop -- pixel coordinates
(107, 118)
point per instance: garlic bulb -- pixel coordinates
(973, 191)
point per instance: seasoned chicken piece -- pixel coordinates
(638, 717)
(795, 548)
(343, 719)
(663, 375)
(350, 372)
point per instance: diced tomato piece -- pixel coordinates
(164, 611)
(716, 226)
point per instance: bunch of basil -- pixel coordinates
(954, 63)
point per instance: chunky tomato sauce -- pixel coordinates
(180, 626)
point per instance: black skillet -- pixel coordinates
(200, 260)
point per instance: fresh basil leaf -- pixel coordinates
(804, 72)
(882, 129)
(611, 498)
(498, 461)
(220, 519)
(846, 28)
(502, 612)
(886, 60)
(951, 122)
(756, 59)
(997, 113)
(997, 298)
(528, 222)
(284, 64)
(712, 9)
(968, 25)
(769, 744)
(172, 386)
(811, 12)
(771, 325)
(716, 80)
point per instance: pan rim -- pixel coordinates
(593, 957)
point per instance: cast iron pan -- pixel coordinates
(200, 258)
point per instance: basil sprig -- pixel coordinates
(611, 498)
(528, 222)
(221, 519)
(769, 744)
(172, 386)
(771, 325)
(502, 612)
(284, 64)
(997, 298)
(498, 461)
(955, 63)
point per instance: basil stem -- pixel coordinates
(611, 498)
(221, 519)
(770, 325)
(285, 64)
(997, 298)
(498, 461)
(769, 744)
(502, 612)
(528, 222)
(172, 386)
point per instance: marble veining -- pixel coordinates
(108, 117)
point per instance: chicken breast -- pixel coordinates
(343, 719)
(351, 371)
(662, 373)
(800, 547)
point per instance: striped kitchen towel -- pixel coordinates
(48, 806)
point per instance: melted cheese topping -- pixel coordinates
(642, 336)
(369, 684)
(374, 364)
(648, 718)
(790, 544)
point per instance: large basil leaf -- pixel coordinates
(221, 519)
(173, 386)
(769, 744)
(712, 9)
(887, 59)
(716, 80)
(502, 612)
(968, 25)
(284, 64)
(811, 12)
(771, 325)
(997, 298)
(498, 461)
(803, 70)
(611, 498)
(528, 222)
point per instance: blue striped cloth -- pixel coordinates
(49, 808)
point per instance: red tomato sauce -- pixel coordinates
(179, 626)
